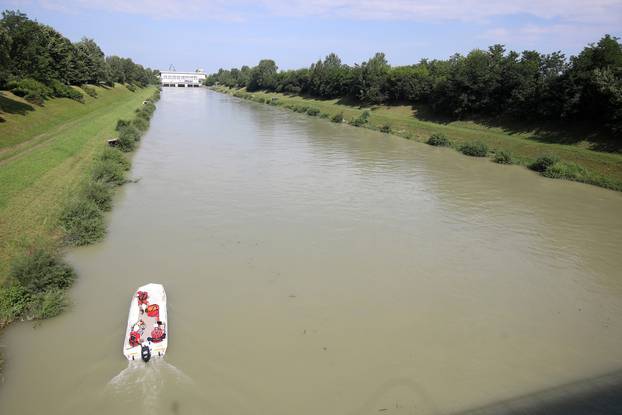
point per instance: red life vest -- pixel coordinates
(134, 338)
(157, 335)
(142, 297)
(153, 311)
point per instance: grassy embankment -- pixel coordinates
(548, 153)
(57, 176)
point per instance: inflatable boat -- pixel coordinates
(146, 335)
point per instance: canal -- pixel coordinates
(314, 268)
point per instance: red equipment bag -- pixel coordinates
(134, 338)
(153, 310)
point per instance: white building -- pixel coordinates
(182, 79)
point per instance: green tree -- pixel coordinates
(116, 69)
(370, 80)
(4, 56)
(91, 60)
(60, 51)
(263, 76)
(409, 83)
(593, 82)
(27, 49)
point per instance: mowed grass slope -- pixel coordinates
(525, 146)
(45, 152)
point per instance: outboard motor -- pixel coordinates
(145, 353)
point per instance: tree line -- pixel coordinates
(34, 51)
(493, 83)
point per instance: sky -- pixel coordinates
(212, 34)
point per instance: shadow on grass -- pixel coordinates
(10, 106)
(568, 132)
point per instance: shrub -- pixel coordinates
(47, 304)
(131, 87)
(41, 270)
(149, 107)
(569, 171)
(27, 86)
(474, 149)
(131, 132)
(300, 108)
(99, 193)
(146, 111)
(312, 111)
(337, 117)
(128, 136)
(115, 156)
(140, 123)
(121, 124)
(83, 222)
(13, 303)
(543, 162)
(126, 144)
(61, 90)
(108, 172)
(439, 140)
(140, 113)
(385, 128)
(362, 119)
(90, 91)
(503, 157)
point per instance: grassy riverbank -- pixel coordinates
(57, 176)
(577, 161)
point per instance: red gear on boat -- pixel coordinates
(142, 297)
(153, 311)
(134, 338)
(157, 335)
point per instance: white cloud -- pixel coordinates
(553, 37)
(438, 10)
(176, 9)
(569, 22)
(578, 11)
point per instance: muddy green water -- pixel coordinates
(314, 268)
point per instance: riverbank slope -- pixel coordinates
(577, 161)
(45, 154)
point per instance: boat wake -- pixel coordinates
(153, 384)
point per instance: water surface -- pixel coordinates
(315, 268)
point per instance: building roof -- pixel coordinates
(183, 72)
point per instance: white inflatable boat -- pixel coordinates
(147, 325)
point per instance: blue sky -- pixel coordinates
(225, 33)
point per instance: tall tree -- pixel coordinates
(4, 56)
(263, 76)
(370, 80)
(91, 58)
(27, 52)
